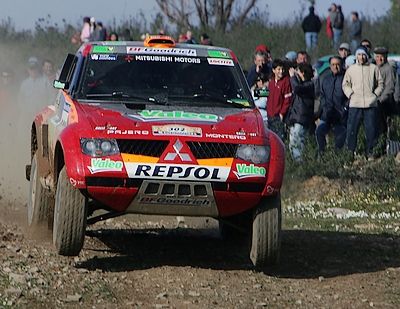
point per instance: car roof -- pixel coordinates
(182, 49)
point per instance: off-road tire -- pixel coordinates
(70, 215)
(266, 236)
(39, 200)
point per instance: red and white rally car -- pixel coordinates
(160, 128)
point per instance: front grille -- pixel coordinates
(142, 147)
(212, 150)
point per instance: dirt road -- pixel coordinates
(148, 262)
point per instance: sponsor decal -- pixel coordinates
(75, 182)
(226, 136)
(127, 132)
(105, 57)
(218, 54)
(176, 130)
(102, 49)
(157, 115)
(116, 43)
(247, 171)
(178, 152)
(174, 201)
(219, 61)
(167, 59)
(177, 171)
(160, 51)
(105, 165)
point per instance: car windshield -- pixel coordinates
(165, 80)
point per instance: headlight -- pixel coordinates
(253, 153)
(99, 147)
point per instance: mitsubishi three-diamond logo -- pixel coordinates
(171, 156)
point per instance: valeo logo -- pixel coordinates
(102, 49)
(176, 115)
(218, 54)
(246, 171)
(105, 165)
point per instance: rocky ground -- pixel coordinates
(150, 262)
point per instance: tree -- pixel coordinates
(215, 14)
(395, 10)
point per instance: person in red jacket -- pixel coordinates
(280, 97)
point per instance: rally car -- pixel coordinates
(155, 127)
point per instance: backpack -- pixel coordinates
(339, 21)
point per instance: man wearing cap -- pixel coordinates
(386, 99)
(344, 51)
(363, 84)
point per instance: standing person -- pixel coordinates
(99, 32)
(337, 27)
(205, 40)
(85, 32)
(279, 99)
(334, 107)
(344, 51)
(260, 65)
(355, 31)
(300, 117)
(311, 26)
(328, 30)
(34, 94)
(386, 99)
(363, 84)
(259, 87)
(189, 37)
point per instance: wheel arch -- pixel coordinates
(59, 161)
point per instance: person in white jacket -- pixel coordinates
(363, 84)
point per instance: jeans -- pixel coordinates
(353, 45)
(276, 125)
(296, 141)
(339, 132)
(370, 118)
(311, 40)
(337, 37)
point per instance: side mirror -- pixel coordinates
(261, 92)
(60, 85)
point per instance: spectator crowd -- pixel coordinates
(360, 86)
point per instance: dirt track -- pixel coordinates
(147, 262)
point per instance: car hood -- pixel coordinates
(213, 123)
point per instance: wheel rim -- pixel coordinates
(32, 189)
(56, 214)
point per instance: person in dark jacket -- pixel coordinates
(311, 26)
(333, 107)
(301, 115)
(261, 66)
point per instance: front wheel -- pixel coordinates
(70, 215)
(266, 236)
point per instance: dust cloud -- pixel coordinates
(16, 116)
